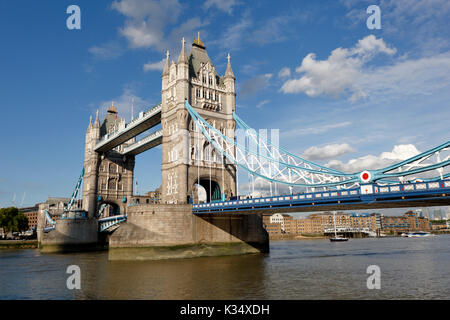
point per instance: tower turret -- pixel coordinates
(229, 81)
(165, 74)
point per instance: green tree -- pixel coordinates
(12, 220)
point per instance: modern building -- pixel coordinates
(410, 221)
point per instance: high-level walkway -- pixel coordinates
(145, 120)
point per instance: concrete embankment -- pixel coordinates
(276, 237)
(18, 244)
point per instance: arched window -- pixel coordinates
(112, 168)
(207, 152)
(112, 184)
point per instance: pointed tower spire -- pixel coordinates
(229, 72)
(166, 66)
(183, 56)
(90, 122)
(97, 122)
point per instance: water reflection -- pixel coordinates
(316, 269)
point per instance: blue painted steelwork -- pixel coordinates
(77, 214)
(296, 171)
(106, 223)
(204, 124)
(50, 221)
(102, 208)
(74, 215)
(75, 192)
(421, 191)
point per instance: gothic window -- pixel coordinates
(207, 152)
(119, 186)
(102, 185)
(172, 183)
(204, 78)
(112, 168)
(112, 184)
(203, 93)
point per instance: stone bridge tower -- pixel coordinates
(187, 158)
(108, 177)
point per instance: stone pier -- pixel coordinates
(69, 235)
(155, 232)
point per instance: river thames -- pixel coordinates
(411, 268)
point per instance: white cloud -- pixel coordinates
(154, 66)
(233, 36)
(123, 104)
(261, 188)
(316, 129)
(148, 20)
(223, 5)
(417, 22)
(284, 73)
(399, 153)
(339, 73)
(107, 51)
(253, 85)
(327, 152)
(259, 105)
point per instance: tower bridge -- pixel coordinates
(204, 143)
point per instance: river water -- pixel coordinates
(411, 268)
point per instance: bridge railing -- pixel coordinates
(419, 187)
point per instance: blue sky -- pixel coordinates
(339, 93)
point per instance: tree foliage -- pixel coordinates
(12, 220)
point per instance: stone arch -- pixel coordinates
(111, 209)
(212, 188)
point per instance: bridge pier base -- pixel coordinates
(155, 232)
(69, 235)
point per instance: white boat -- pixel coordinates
(336, 236)
(419, 234)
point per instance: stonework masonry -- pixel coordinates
(172, 231)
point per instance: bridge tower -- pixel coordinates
(187, 158)
(108, 176)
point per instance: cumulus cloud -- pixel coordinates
(259, 105)
(339, 73)
(154, 66)
(316, 129)
(327, 152)
(284, 73)
(261, 188)
(256, 84)
(107, 51)
(146, 20)
(424, 19)
(123, 104)
(398, 153)
(155, 24)
(223, 5)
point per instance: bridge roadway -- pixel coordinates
(368, 196)
(145, 120)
